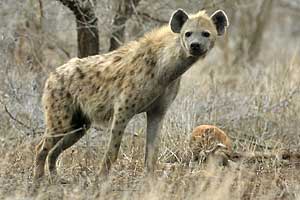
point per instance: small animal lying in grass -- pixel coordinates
(208, 141)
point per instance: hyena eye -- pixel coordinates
(205, 34)
(188, 34)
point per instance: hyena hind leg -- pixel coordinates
(42, 151)
(67, 141)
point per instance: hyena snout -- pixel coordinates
(197, 48)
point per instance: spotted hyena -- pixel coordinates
(109, 89)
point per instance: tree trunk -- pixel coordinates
(87, 29)
(262, 20)
(124, 11)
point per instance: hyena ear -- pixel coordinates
(177, 20)
(220, 20)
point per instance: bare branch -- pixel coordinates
(148, 16)
(87, 28)
(17, 120)
(262, 20)
(125, 10)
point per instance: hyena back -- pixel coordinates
(109, 89)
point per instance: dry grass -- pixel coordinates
(258, 179)
(264, 120)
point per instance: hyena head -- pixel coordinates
(198, 32)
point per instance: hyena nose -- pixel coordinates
(195, 46)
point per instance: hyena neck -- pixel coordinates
(174, 61)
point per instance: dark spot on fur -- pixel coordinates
(66, 107)
(55, 130)
(119, 84)
(133, 86)
(125, 85)
(94, 87)
(59, 122)
(52, 93)
(91, 76)
(108, 115)
(150, 62)
(207, 131)
(68, 95)
(114, 78)
(131, 72)
(120, 109)
(81, 75)
(133, 105)
(136, 57)
(116, 59)
(100, 62)
(108, 79)
(46, 107)
(126, 101)
(98, 73)
(120, 132)
(106, 94)
(65, 117)
(152, 75)
(148, 72)
(126, 107)
(140, 70)
(118, 71)
(116, 145)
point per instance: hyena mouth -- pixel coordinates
(199, 53)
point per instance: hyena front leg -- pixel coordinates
(155, 116)
(154, 125)
(118, 126)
